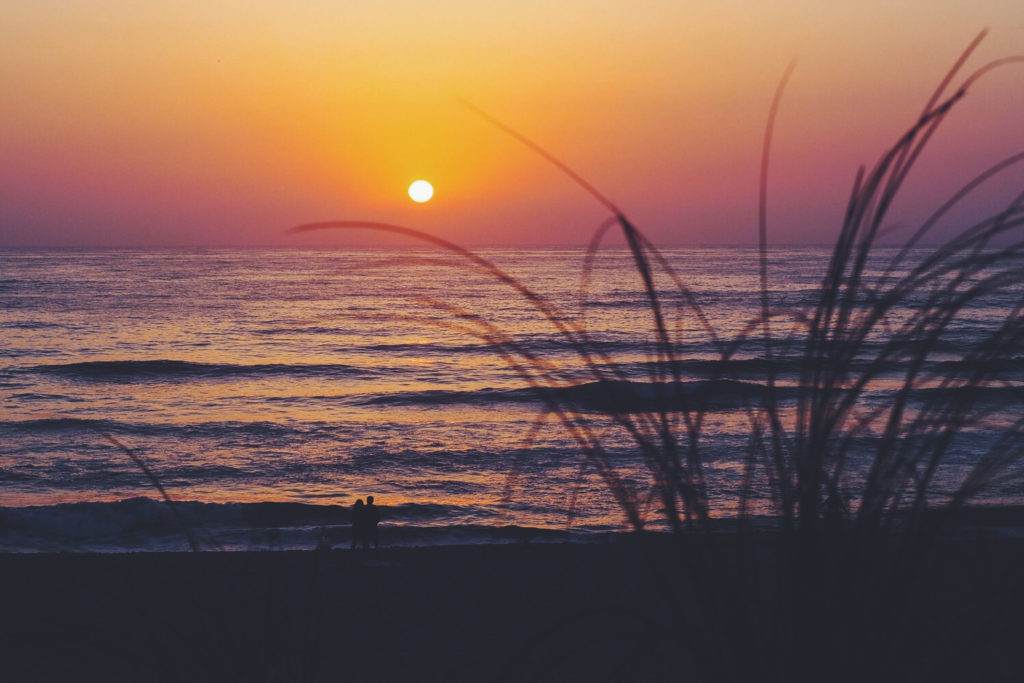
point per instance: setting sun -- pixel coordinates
(421, 191)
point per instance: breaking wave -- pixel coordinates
(145, 524)
(172, 370)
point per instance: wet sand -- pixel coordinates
(611, 612)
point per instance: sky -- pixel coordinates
(224, 122)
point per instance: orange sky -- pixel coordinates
(217, 122)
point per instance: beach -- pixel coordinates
(630, 610)
(445, 613)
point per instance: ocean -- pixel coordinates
(266, 390)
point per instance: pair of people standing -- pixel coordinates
(365, 519)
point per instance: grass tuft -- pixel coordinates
(850, 568)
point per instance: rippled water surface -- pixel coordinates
(308, 379)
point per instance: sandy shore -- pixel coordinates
(615, 612)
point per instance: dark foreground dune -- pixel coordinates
(611, 612)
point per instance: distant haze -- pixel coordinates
(221, 122)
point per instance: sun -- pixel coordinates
(421, 191)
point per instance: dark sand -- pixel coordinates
(614, 612)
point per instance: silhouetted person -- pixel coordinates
(358, 524)
(835, 512)
(372, 520)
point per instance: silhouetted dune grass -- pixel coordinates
(858, 579)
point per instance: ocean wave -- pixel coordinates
(16, 476)
(756, 368)
(312, 329)
(257, 429)
(90, 517)
(58, 424)
(34, 396)
(175, 370)
(991, 366)
(792, 367)
(539, 345)
(605, 396)
(30, 325)
(717, 368)
(1001, 394)
(625, 396)
(135, 522)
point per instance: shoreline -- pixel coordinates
(148, 525)
(151, 528)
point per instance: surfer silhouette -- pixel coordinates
(372, 517)
(358, 524)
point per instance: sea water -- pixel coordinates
(266, 390)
